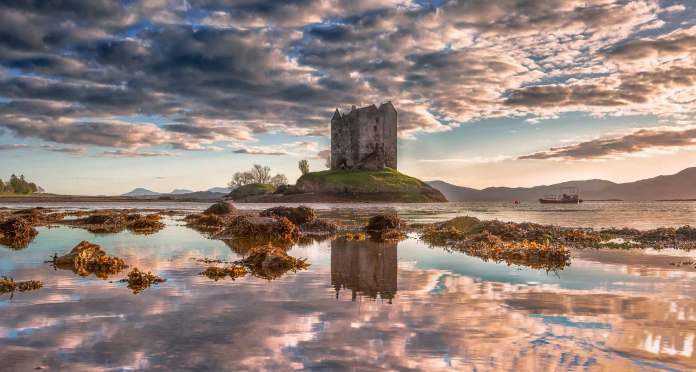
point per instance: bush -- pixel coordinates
(253, 189)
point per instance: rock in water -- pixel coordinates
(220, 208)
(386, 226)
(138, 280)
(87, 258)
(299, 215)
(261, 229)
(270, 262)
(17, 232)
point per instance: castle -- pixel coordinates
(365, 138)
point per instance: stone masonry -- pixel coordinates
(364, 138)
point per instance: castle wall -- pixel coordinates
(365, 138)
(364, 267)
(340, 143)
(389, 136)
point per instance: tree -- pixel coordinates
(304, 166)
(279, 180)
(261, 174)
(18, 185)
(241, 179)
(14, 184)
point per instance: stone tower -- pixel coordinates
(365, 138)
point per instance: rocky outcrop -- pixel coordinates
(297, 215)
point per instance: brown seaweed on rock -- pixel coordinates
(9, 285)
(16, 233)
(39, 215)
(269, 262)
(138, 280)
(663, 237)
(261, 229)
(216, 273)
(297, 215)
(145, 225)
(209, 223)
(319, 227)
(517, 244)
(386, 226)
(87, 258)
(105, 222)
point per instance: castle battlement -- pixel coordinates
(364, 138)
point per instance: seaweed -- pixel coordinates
(351, 235)
(9, 285)
(138, 280)
(319, 227)
(269, 262)
(216, 273)
(87, 258)
(386, 226)
(39, 215)
(299, 215)
(505, 242)
(209, 223)
(262, 229)
(106, 222)
(145, 225)
(17, 233)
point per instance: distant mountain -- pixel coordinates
(180, 191)
(221, 190)
(141, 192)
(178, 194)
(676, 186)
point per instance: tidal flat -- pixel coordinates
(401, 303)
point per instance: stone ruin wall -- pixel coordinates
(365, 138)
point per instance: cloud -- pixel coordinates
(297, 149)
(12, 146)
(227, 71)
(257, 152)
(72, 150)
(66, 150)
(134, 154)
(638, 141)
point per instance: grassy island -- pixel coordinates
(384, 185)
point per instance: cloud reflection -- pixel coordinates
(437, 319)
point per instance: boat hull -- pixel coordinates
(560, 201)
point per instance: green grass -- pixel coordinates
(252, 190)
(365, 180)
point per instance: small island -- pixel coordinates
(363, 167)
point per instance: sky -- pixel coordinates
(100, 97)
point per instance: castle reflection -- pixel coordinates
(365, 267)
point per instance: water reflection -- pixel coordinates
(451, 311)
(364, 267)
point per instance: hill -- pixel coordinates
(139, 191)
(676, 186)
(180, 191)
(221, 190)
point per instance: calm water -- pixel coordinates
(361, 305)
(640, 215)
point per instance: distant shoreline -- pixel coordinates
(96, 199)
(266, 199)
